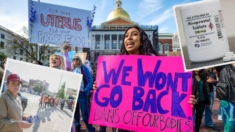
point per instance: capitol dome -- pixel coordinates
(118, 12)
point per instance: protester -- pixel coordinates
(2, 68)
(226, 96)
(41, 102)
(86, 85)
(11, 111)
(3, 64)
(218, 70)
(1, 76)
(136, 42)
(201, 92)
(57, 61)
(88, 65)
(46, 102)
(208, 122)
(73, 106)
(62, 104)
(53, 102)
(66, 47)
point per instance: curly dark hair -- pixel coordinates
(202, 74)
(146, 47)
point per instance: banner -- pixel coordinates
(142, 93)
(55, 24)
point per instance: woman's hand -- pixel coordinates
(192, 100)
(94, 86)
(24, 124)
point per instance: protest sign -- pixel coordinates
(55, 24)
(68, 56)
(82, 56)
(142, 93)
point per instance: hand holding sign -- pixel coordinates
(24, 124)
(31, 119)
(191, 100)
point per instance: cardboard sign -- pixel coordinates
(55, 24)
(82, 56)
(142, 93)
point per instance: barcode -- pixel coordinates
(218, 27)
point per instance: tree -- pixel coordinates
(2, 57)
(20, 44)
(38, 88)
(61, 92)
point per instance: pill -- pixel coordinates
(227, 58)
(228, 54)
(233, 57)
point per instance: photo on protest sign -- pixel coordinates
(54, 24)
(48, 95)
(142, 93)
(206, 35)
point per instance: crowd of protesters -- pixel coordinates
(207, 83)
(136, 42)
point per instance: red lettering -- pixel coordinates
(52, 20)
(61, 22)
(45, 24)
(66, 22)
(77, 27)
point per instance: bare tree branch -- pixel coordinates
(29, 51)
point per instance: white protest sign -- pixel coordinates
(55, 24)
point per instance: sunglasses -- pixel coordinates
(75, 59)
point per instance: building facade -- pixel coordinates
(175, 42)
(7, 35)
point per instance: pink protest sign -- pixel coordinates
(142, 93)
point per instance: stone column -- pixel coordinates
(110, 41)
(117, 41)
(102, 42)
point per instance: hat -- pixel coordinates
(14, 77)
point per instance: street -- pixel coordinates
(51, 119)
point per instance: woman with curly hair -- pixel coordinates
(136, 42)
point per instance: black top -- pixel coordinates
(211, 85)
(227, 76)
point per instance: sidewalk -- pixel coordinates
(52, 119)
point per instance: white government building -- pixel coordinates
(107, 37)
